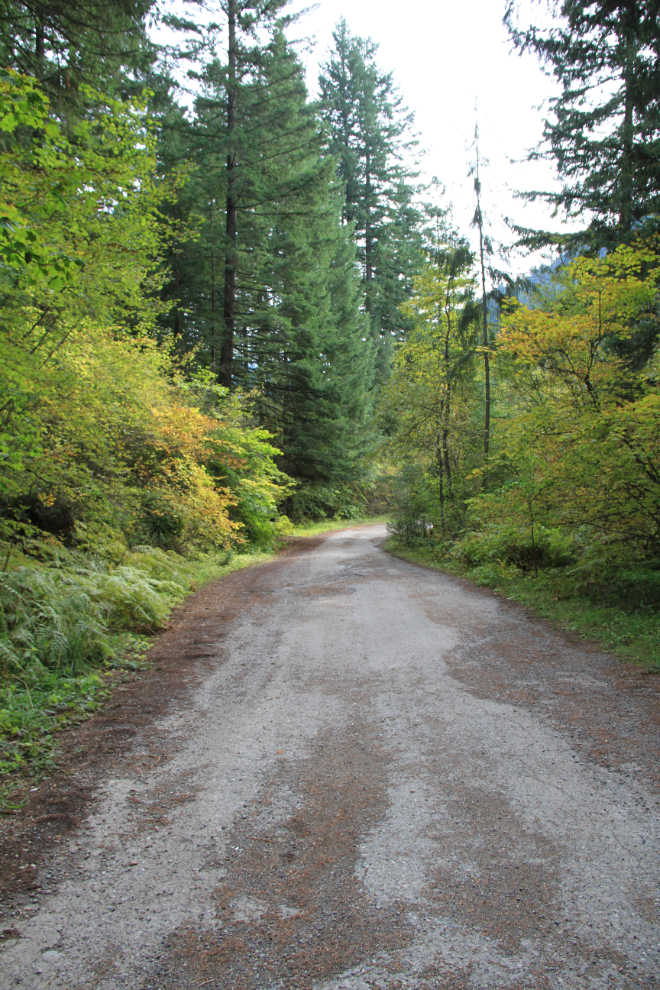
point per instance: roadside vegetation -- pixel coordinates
(129, 475)
(563, 513)
(524, 414)
(228, 315)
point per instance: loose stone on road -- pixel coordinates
(372, 777)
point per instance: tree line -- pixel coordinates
(192, 198)
(224, 303)
(529, 441)
(255, 237)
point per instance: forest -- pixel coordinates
(230, 306)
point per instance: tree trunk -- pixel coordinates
(229, 305)
(177, 282)
(39, 48)
(484, 314)
(626, 180)
(447, 405)
(479, 220)
(441, 487)
(368, 245)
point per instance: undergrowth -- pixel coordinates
(69, 624)
(616, 607)
(71, 620)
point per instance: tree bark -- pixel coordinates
(214, 348)
(484, 316)
(368, 245)
(441, 487)
(479, 220)
(447, 406)
(626, 181)
(229, 303)
(39, 48)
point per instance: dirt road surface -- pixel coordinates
(349, 773)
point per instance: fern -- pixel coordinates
(61, 621)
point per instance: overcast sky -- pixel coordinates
(445, 54)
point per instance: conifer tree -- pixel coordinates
(63, 43)
(298, 338)
(604, 133)
(370, 138)
(478, 222)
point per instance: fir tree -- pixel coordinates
(299, 341)
(103, 43)
(370, 138)
(604, 135)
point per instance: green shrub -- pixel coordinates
(161, 525)
(323, 502)
(257, 527)
(512, 545)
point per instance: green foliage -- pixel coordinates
(370, 136)
(511, 545)
(79, 230)
(415, 510)
(319, 502)
(113, 455)
(65, 625)
(564, 513)
(583, 427)
(300, 345)
(101, 43)
(97, 420)
(433, 399)
(33, 707)
(603, 134)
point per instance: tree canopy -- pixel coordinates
(603, 134)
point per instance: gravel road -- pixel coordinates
(376, 777)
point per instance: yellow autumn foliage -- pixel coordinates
(585, 418)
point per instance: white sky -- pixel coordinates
(445, 54)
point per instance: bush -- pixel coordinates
(316, 502)
(512, 545)
(257, 527)
(161, 525)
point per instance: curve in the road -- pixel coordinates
(387, 780)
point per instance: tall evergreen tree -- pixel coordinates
(371, 140)
(604, 134)
(297, 334)
(103, 43)
(478, 222)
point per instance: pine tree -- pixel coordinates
(298, 338)
(63, 43)
(370, 138)
(604, 135)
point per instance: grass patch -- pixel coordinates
(69, 626)
(631, 633)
